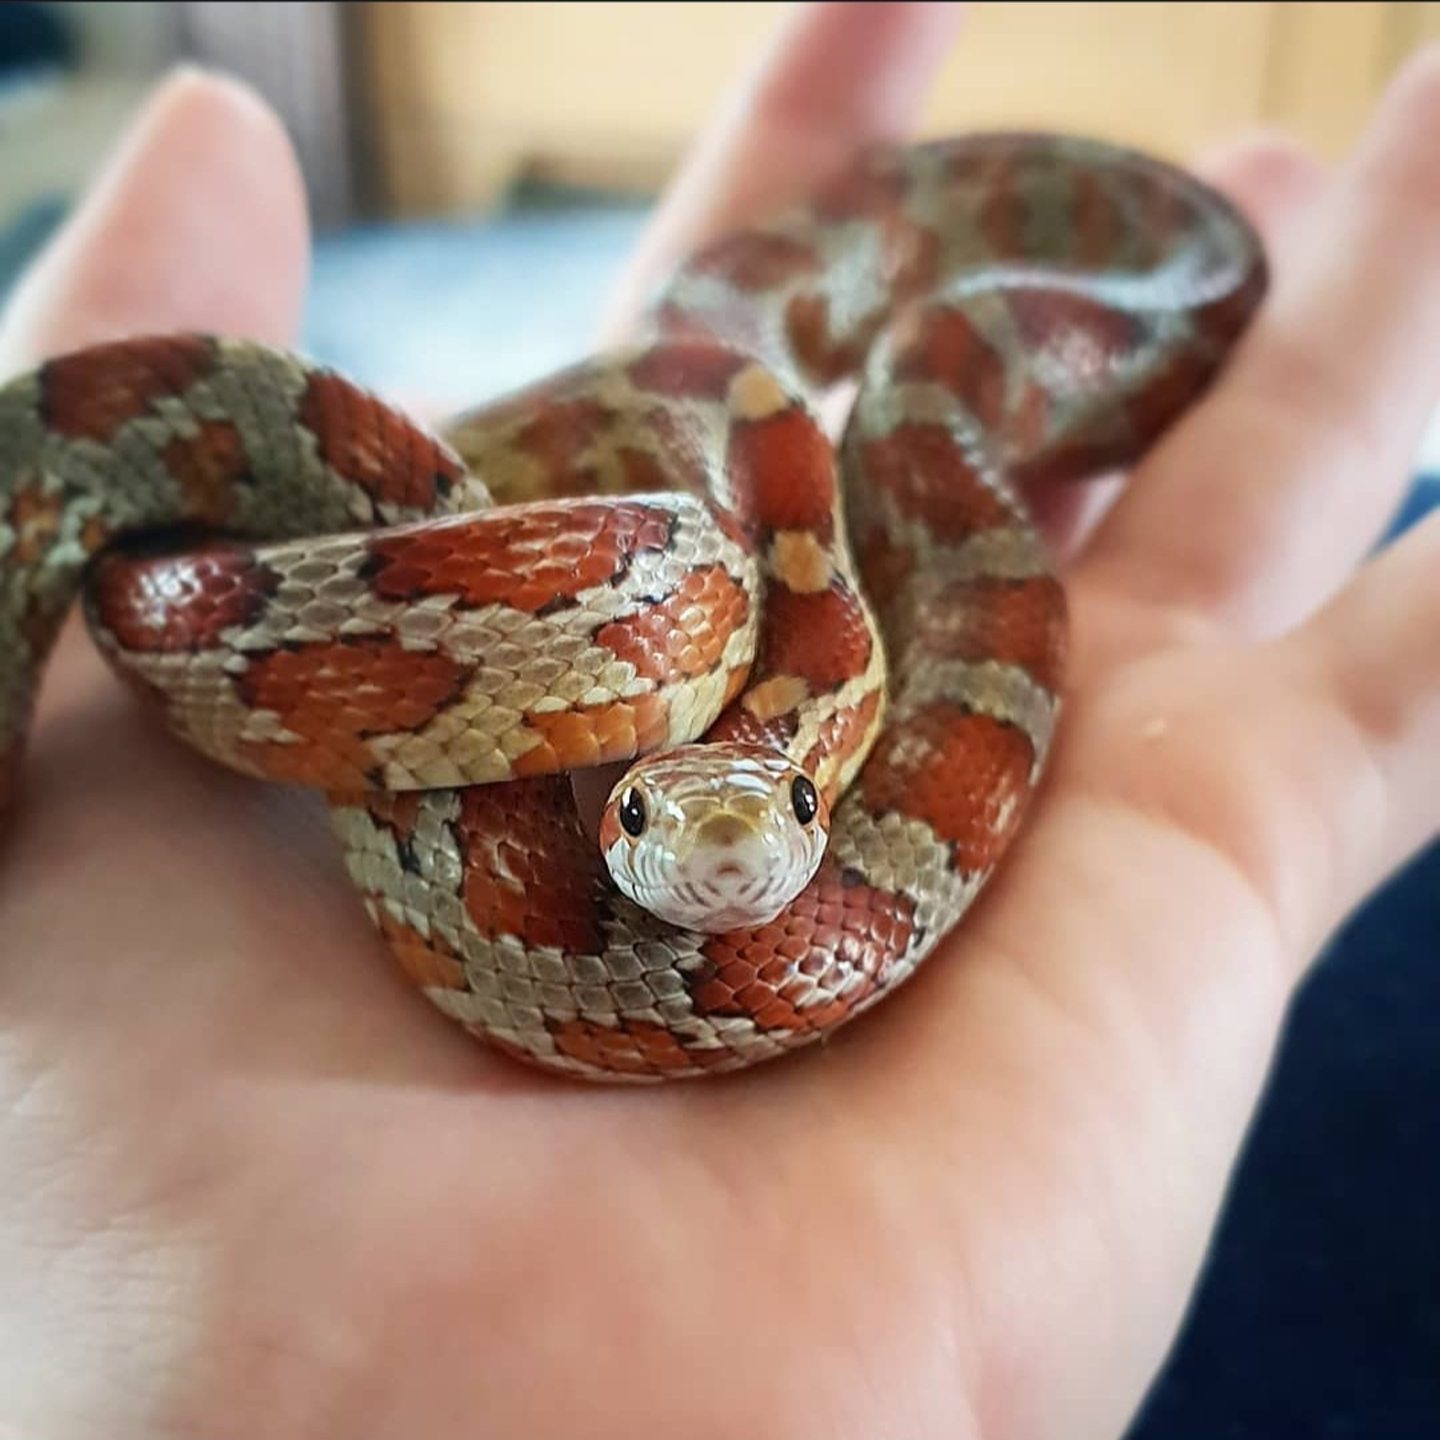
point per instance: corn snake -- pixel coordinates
(668, 559)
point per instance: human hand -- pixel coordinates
(250, 1183)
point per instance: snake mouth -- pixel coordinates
(729, 897)
(734, 892)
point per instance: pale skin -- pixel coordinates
(251, 1185)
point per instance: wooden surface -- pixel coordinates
(463, 99)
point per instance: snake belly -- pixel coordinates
(645, 549)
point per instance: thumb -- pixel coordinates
(196, 223)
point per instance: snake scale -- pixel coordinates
(641, 551)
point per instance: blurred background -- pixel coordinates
(477, 173)
(486, 165)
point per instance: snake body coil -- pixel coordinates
(666, 559)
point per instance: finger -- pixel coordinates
(1259, 503)
(835, 78)
(1373, 657)
(1273, 179)
(197, 223)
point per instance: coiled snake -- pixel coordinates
(668, 560)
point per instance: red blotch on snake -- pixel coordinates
(839, 935)
(529, 872)
(820, 636)
(90, 395)
(208, 465)
(1018, 622)
(839, 734)
(593, 734)
(374, 446)
(965, 775)
(426, 960)
(527, 557)
(683, 370)
(631, 1047)
(182, 602)
(333, 694)
(686, 633)
(930, 480)
(944, 347)
(784, 467)
(823, 356)
(752, 261)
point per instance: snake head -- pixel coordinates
(714, 837)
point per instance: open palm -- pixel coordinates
(251, 1185)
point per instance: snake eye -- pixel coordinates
(632, 812)
(803, 799)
